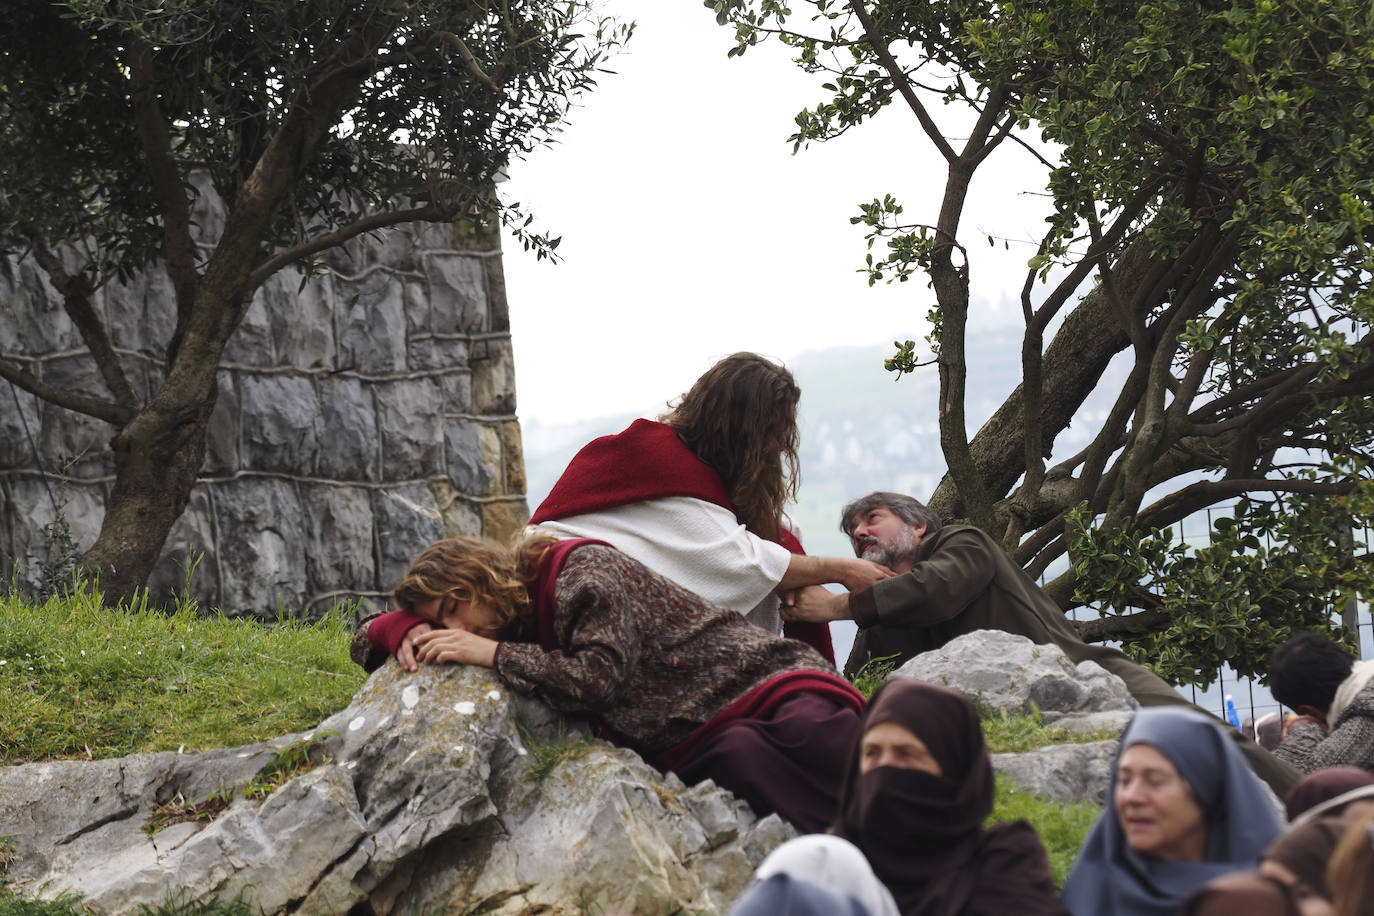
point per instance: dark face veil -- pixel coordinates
(920, 832)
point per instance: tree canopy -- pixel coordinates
(313, 120)
(1210, 168)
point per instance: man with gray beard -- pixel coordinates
(955, 579)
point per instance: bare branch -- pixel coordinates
(1032, 150)
(470, 64)
(1098, 250)
(1001, 133)
(1043, 547)
(1152, 431)
(1273, 391)
(989, 130)
(430, 213)
(1032, 387)
(76, 300)
(169, 190)
(1198, 496)
(1105, 628)
(894, 70)
(116, 415)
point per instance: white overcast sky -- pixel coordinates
(690, 231)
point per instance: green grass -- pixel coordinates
(547, 754)
(83, 682)
(1018, 734)
(80, 681)
(872, 673)
(23, 906)
(1061, 827)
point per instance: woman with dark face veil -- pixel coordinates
(919, 790)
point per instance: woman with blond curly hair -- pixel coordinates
(691, 686)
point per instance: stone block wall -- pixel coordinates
(362, 414)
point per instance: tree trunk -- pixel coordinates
(158, 458)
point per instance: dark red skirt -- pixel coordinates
(791, 760)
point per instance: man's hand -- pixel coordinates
(814, 604)
(405, 652)
(457, 646)
(861, 574)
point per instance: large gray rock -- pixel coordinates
(336, 520)
(301, 318)
(407, 520)
(188, 565)
(1064, 773)
(40, 503)
(73, 444)
(423, 798)
(224, 435)
(412, 444)
(1009, 673)
(458, 293)
(253, 343)
(1006, 674)
(31, 314)
(19, 428)
(140, 312)
(471, 466)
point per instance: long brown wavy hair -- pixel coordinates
(466, 569)
(741, 419)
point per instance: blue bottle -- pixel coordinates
(1231, 715)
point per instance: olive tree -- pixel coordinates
(1209, 171)
(315, 121)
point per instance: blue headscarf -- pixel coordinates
(1111, 877)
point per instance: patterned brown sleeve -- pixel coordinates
(602, 644)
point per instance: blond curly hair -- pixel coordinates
(466, 569)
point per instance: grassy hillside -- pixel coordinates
(81, 682)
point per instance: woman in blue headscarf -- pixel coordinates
(1182, 808)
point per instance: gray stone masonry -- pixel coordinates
(360, 416)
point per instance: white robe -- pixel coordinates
(695, 543)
